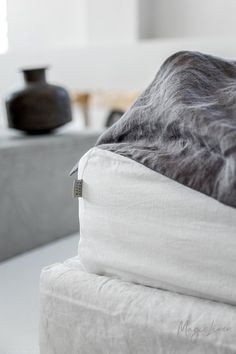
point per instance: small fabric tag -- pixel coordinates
(77, 188)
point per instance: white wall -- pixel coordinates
(3, 27)
(70, 23)
(187, 18)
(146, 18)
(46, 23)
(113, 21)
(34, 24)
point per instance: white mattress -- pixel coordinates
(83, 313)
(141, 226)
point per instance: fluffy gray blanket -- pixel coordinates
(184, 125)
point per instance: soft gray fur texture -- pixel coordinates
(184, 125)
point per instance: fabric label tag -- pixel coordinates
(77, 188)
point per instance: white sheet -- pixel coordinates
(84, 313)
(144, 227)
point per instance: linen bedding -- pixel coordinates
(159, 189)
(157, 208)
(84, 313)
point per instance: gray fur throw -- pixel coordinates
(184, 125)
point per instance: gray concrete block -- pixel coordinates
(36, 203)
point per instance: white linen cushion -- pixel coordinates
(84, 313)
(141, 226)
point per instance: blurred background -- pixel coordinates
(106, 45)
(101, 54)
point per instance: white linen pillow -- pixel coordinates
(140, 226)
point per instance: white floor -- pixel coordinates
(19, 295)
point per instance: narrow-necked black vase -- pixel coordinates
(38, 107)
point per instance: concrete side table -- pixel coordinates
(36, 204)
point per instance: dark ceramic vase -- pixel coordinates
(39, 107)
